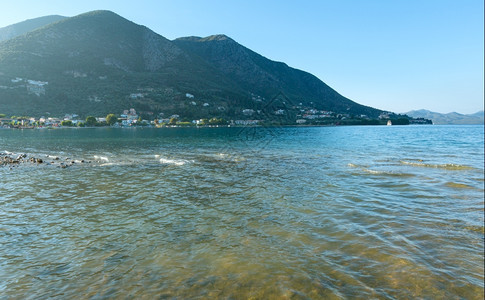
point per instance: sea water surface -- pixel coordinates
(265, 213)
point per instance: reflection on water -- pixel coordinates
(315, 213)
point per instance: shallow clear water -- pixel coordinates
(267, 213)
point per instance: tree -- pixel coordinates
(66, 123)
(91, 121)
(400, 121)
(111, 119)
(216, 121)
(173, 121)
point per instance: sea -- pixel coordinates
(357, 212)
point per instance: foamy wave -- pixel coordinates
(103, 158)
(107, 164)
(176, 162)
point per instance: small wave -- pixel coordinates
(479, 229)
(176, 162)
(222, 157)
(384, 173)
(375, 172)
(437, 166)
(458, 185)
(387, 173)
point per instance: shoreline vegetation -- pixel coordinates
(131, 119)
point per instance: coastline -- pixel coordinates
(214, 126)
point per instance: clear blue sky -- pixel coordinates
(395, 55)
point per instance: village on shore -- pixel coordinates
(131, 118)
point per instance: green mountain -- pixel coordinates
(452, 118)
(266, 77)
(98, 63)
(17, 29)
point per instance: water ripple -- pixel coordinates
(280, 222)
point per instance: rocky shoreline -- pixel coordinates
(8, 159)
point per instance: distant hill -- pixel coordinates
(20, 28)
(449, 118)
(98, 63)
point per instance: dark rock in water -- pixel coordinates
(12, 160)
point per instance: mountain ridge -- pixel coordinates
(26, 26)
(97, 61)
(452, 118)
(242, 60)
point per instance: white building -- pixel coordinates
(248, 111)
(137, 95)
(36, 87)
